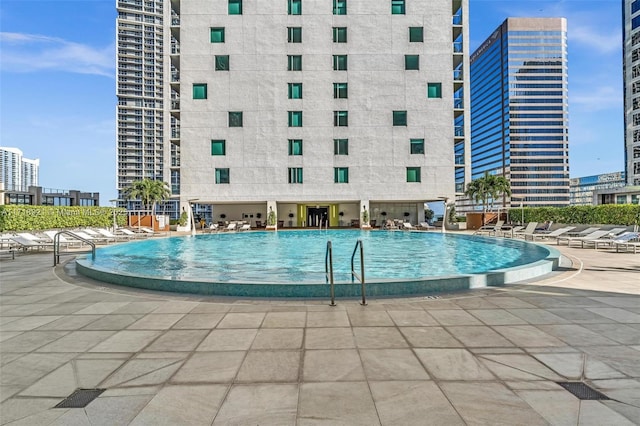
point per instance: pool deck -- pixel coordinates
(486, 356)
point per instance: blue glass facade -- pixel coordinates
(519, 110)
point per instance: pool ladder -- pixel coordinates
(56, 245)
(328, 269)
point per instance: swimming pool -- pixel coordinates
(292, 263)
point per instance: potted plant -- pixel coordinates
(365, 217)
(272, 219)
(290, 219)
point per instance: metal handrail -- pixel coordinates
(56, 245)
(328, 272)
(354, 275)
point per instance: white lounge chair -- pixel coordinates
(98, 236)
(245, 227)
(62, 239)
(530, 229)
(609, 234)
(407, 226)
(213, 227)
(425, 226)
(631, 243)
(25, 243)
(86, 237)
(591, 236)
(490, 229)
(133, 235)
(551, 235)
(108, 234)
(231, 227)
(619, 241)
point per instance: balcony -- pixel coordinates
(459, 159)
(459, 131)
(457, 47)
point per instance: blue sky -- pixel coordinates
(57, 83)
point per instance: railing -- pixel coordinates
(354, 275)
(328, 272)
(56, 245)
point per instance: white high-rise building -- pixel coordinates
(631, 81)
(18, 173)
(308, 109)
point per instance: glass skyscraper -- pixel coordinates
(631, 67)
(519, 110)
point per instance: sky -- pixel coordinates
(58, 102)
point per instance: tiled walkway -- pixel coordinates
(479, 357)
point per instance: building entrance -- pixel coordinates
(317, 215)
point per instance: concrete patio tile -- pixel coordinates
(619, 358)
(176, 307)
(145, 372)
(333, 365)
(478, 336)
(496, 317)
(156, 322)
(270, 366)
(595, 370)
(379, 337)
(242, 320)
(228, 340)
(630, 412)
(177, 340)
(360, 318)
(282, 338)
(105, 411)
(453, 364)
(263, 404)
(6, 335)
(527, 336)
(576, 335)
(412, 403)
(69, 322)
(29, 323)
(210, 367)
(336, 403)
(14, 409)
(617, 314)
(328, 319)
(469, 303)
(533, 385)
(489, 403)
(623, 390)
(557, 407)
(143, 308)
(580, 316)
(412, 318)
(596, 413)
(570, 366)
(453, 317)
(127, 341)
(429, 337)
(101, 308)
(24, 310)
(620, 333)
(77, 341)
(392, 364)
(211, 308)
(113, 322)
(518, 367)
(63, 308)
(7, 392)
(538, 316)
(329, 338)
(29, 368)
(188, 405)
(198, 321)
(509, 302)
(29, 341)
(285, 320)
(619, 301)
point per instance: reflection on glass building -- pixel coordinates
(584, 188)
(519, 110)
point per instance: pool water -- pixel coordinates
(299, 256)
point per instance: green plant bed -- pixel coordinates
(604, 214)
(33, 218)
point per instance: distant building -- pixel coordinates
(583, 190)
(522, 135)
(17, 172)
(631, 81)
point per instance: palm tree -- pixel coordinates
(487, 189)
(149, 192)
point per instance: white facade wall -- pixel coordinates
(256, 154)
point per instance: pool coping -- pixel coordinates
(374, 288)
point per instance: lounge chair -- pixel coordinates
(610, 234)
(149, 231)
(508, 232)
(529, 230)
(231, 227)
(552, 235)
(619, 241)
(132, 234)
(245, 227)
(25, 243)
(97, 235)
(425, 226)
(628, 244)
(32, 237)
(213, 227)
(9, 251)
(490, 229)
(108, 234)
(591, 236)
(62, 239)
(86, 237)
(584, 232)
(407, 226)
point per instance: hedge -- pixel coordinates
(33, 218)
(604, 214)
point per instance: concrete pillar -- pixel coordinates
(420, 209)
(364, 207)
(272, 206)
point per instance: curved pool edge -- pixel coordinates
(378, 288)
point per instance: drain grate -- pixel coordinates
(80, 398)
(582, 391)
(432, 297)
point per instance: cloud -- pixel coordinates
(598, 39)
(596, 98)
(32, 52)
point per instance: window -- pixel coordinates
(294, 34)
(339, 7)
(217, 35)
(295, 90)
(434, 90)
(295, 146)
(295, 174)
(413, 174)
(416, 34)
(341, 146)
(235, 7)
(295, 118)
(200, 91)
(399, 118)
(417, 146)
(294, 62)
(340, 91)
(341, 174)
(222, 175)
(397, 7)
(340, 118)
(294, 7)
(235, 118)
(339, 34)
(222, 62)
(218, 147)
(339, 62)
(411, 62)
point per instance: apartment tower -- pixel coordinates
(519, 110)
(18, 173)
(312, 110)
(631, 81)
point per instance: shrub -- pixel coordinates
(604, 214)
(33, 218)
